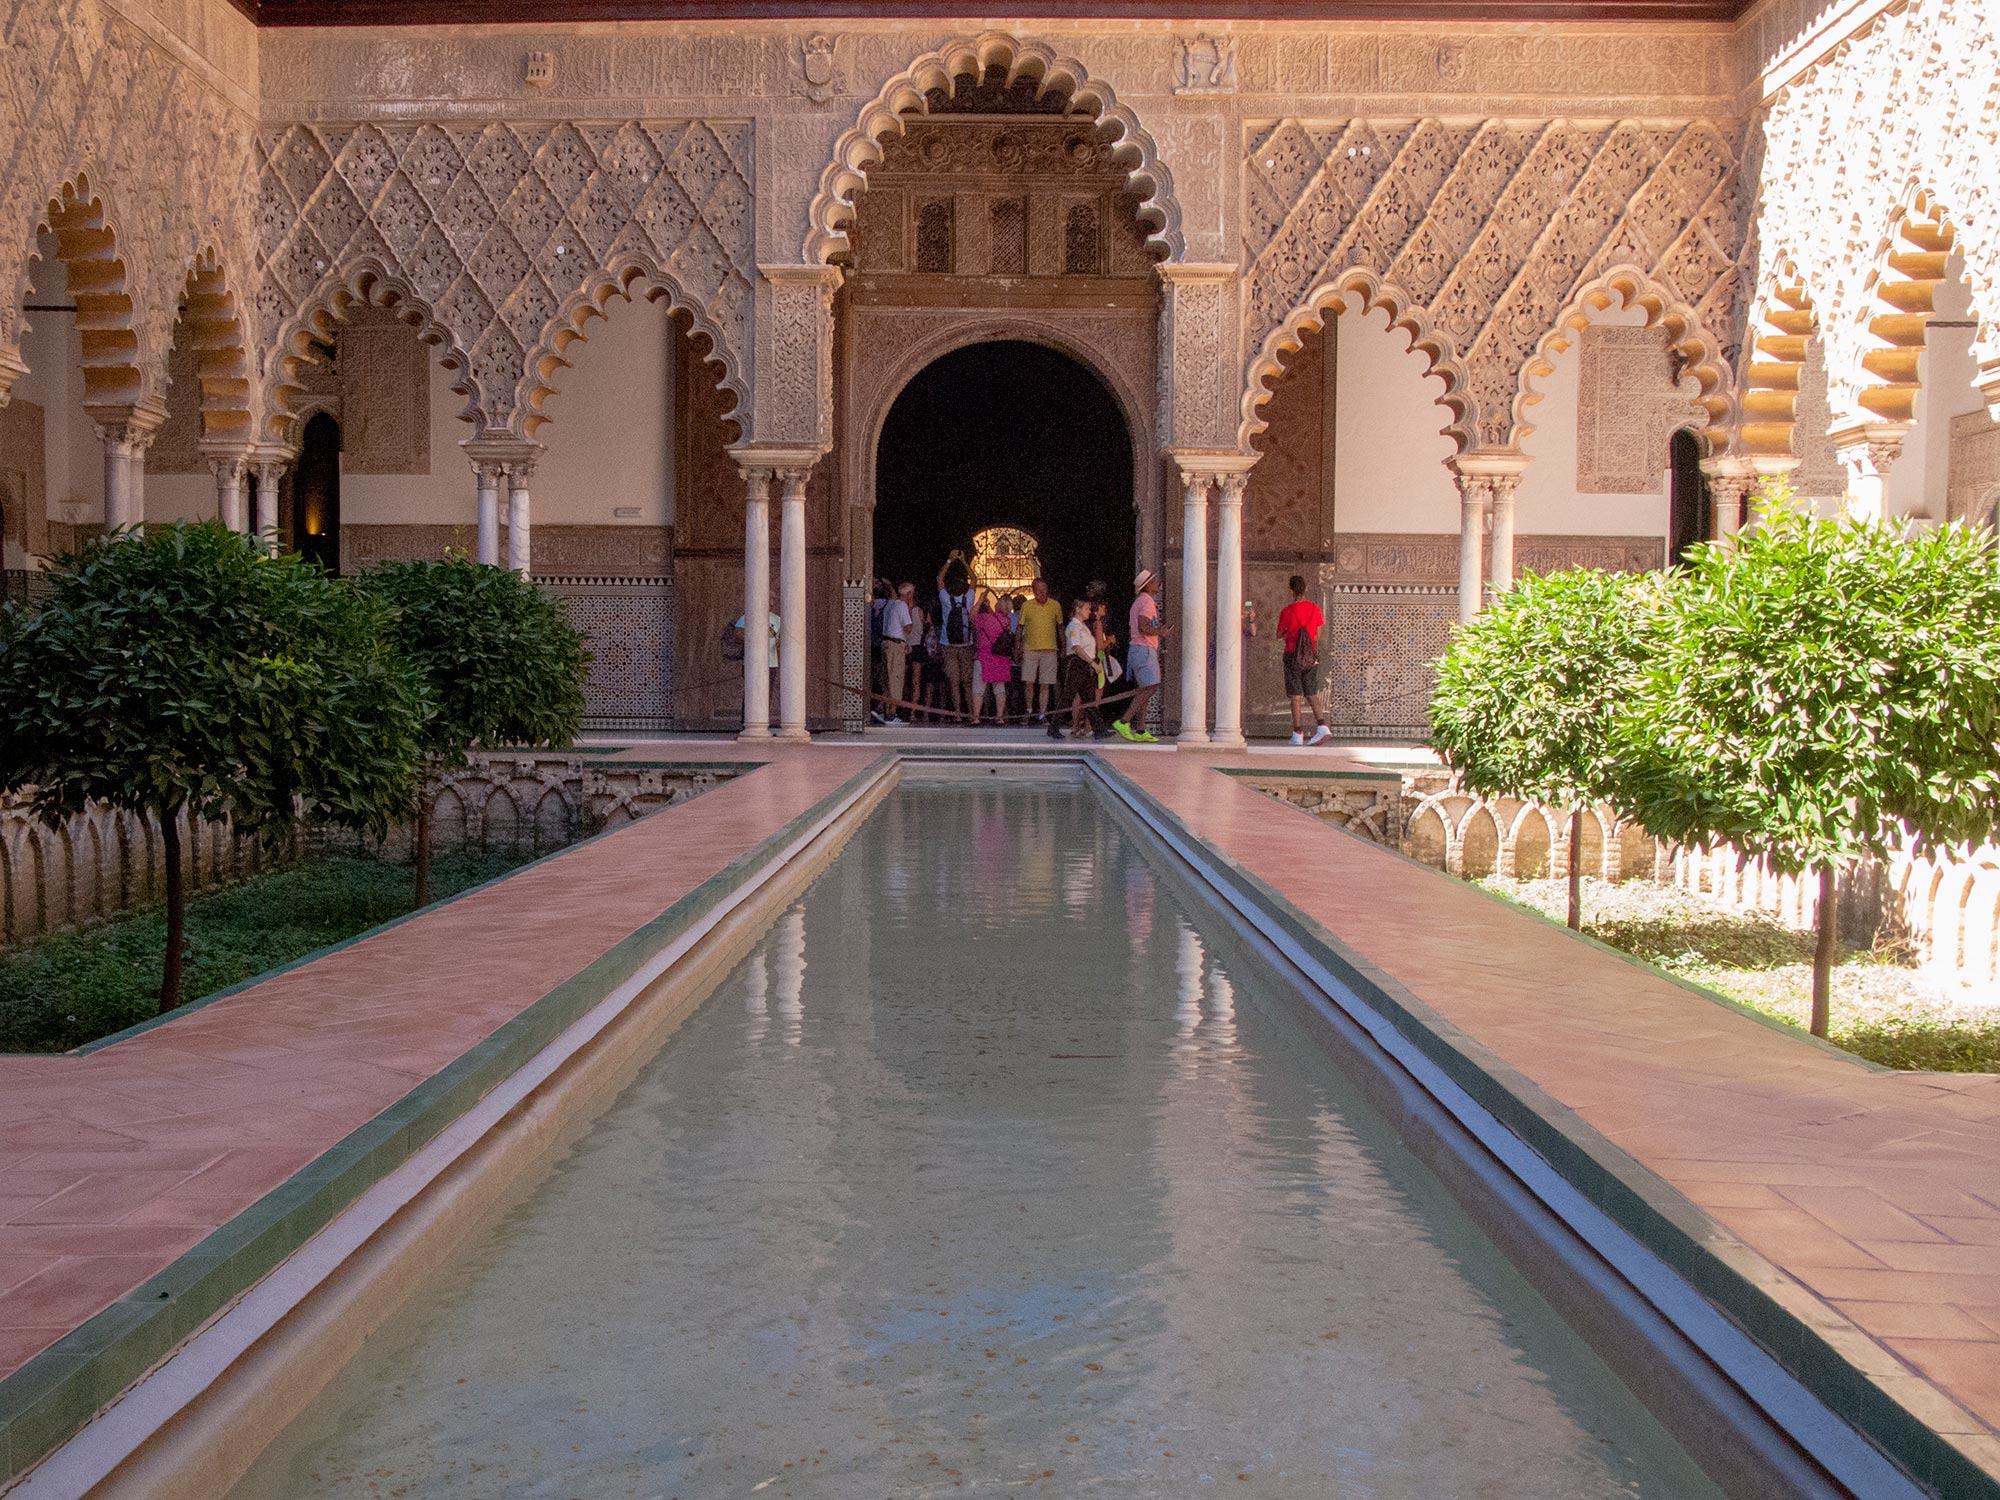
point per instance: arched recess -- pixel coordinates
(858, 149)
(1698, 353)
(213, 317)
(115, 363)
(1404, 313)
(1134, 404)
(369, 283)
(628, 277)
(1913, 263)
(1782, 324)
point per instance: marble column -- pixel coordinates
(136, 484)
(268, 471)
(231, 470)
(1194, 608)
(486, 479)
(756, 604)
(519, 472)
(1472, 492)
(1229, 615)
(1500, 566)
(118, 508)
(792, 605)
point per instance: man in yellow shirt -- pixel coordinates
(1041, 639)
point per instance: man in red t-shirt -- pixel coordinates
(1299, 626)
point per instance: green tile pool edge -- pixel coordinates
(1638, 1200)
(187, 1008)
(56, 1393)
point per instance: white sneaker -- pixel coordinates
(1320, 736)
(1297, 738)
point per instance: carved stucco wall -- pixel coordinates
(1480, 236)
(1628, 410)
(1849, 131)
(151, 104)
(504, 235)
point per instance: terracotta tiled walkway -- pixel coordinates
(1877, 1193)
(114, 1163)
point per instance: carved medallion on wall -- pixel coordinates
(1627, 410)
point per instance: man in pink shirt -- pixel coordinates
(1142, 659)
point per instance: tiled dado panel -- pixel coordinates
(630, 625)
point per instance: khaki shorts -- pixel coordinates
(1038, 668)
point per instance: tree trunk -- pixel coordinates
(1829, 927)
(423, 850)
(170, 972)
(1576, 870)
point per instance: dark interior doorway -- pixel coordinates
(1007, 434)
(316, 494)
(1691, 511)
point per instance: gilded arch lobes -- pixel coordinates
(499, 238)
(858, 148)
(1485, 231)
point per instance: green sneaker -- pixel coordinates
(1123, 729)
(1145, 737)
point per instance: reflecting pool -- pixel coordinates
(983, 1174)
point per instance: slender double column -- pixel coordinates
(1229, 614)
(1868, 451)
(792, 605)
(232, 474)
(127, 432)
(1194, 607)
(756, 602)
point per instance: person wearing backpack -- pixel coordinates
(958, 644)
(1298, 628)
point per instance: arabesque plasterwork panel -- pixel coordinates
(504, 232)
(1479, 236)
(1909, 104)
(87, 93)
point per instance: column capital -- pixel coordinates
(1231, 491)
(269, 460)
(130, 425)
(1870, 448)
(1489, 463)
(1179, 272)
(226, 460)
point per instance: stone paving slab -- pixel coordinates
(1873, 1193)
(116, 1161)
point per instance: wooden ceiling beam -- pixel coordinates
(500, 12)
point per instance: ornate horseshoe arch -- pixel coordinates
(868, 408)
(858, 149)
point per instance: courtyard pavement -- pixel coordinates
(1877, 1195)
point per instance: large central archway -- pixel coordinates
(1006, 433)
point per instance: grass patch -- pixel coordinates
(75, 987)
(1883, 1009)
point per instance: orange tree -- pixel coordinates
(503, 663)
(1530, 689)
(181, 672)
(1820, 691)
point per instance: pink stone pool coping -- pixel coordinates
(1875, 1195)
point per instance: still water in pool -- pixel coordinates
(983, 1174)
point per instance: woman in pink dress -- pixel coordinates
(993, 666)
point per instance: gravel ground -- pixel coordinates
(1883, 1008)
